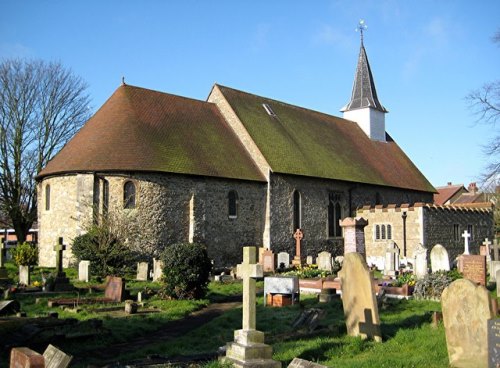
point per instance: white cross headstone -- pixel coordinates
(249, 270)
(466, 237)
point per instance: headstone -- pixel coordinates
(115, 289)
(358, 298)
(301, 363)
(142, 271)
(130, 307)
(487, 246)
(83, 271)
(466, 237)
(494, 343)
(354, 235)
(26, 358)
(283, 259)
(61, 282)
(439, 259)
(466, 310)
(391, 264)
(55, 358)
(285, 285)
(496, 248)
(157, 269)
(268, 260)
(474, 268)
(298, 236)
(420, 261)
(24, 275)
(248, 348)
(324, 261)
(309, 260)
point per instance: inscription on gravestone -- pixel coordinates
(493, 343)
(474, 268)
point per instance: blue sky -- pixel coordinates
(426, 56)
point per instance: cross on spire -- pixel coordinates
(361, 27)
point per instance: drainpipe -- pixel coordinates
(404, 215)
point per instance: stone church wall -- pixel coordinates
(315, 199)
(162, 214)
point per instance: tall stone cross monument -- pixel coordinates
(298, 236)
(61, 283)
(248, 348)
(466, 237)
(59, 248)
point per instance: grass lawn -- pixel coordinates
(408, 338)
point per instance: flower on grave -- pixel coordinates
(37, 283)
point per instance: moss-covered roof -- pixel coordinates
(143, 130)
(304, 142)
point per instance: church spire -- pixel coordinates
(364, 107)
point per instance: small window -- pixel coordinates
(105, 197)
(470, 230)
(456, 232)
(389, 232)
(232, 199)
(297, 210)
(129, 195)
(383, 232)
(268, 109)
(47, 197)
(377, 232)
(334, 215)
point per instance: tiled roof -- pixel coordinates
(466, 198)
(143, 130)
(309, 143)
(444, 194)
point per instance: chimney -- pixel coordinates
(472, 188)
(449, 184)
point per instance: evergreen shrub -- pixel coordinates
(433, 284)
(25, 254)
(186, 271)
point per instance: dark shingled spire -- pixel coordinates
(364, 93)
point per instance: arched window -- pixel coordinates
(297, 210)
(129, 195)
(105, 197)
(47, 197)
(383, 232)
(389, 232)
(334, 215)
(232, 201)
(377, 232)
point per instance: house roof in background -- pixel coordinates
(445, 193)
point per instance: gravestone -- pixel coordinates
(157, 269)
(391, 264)
(358, 298)
(298, 236)
(324, 261)
(285, 285)
(466, 309)
(283, 259)
(115, 289)
(309, 260)
(55, 358)
(24, 275)
(487, 249)
(354, 235)
(26, 358)
(494, 266)
(466, 237)
(439, 259)
(474, 268)
(420, 261)
(83, 271)
(61, 282)
(302, 363)
(142, 271)
(268, 261)
(494, 343)
(248, 348)
(495, 248)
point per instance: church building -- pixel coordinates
(235, 170)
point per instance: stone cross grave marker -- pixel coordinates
(420, 262)
(283, 259)
(59, 249)
(358, 298)
(61, 282)
(391, 264)
(439, 259)
(83, 270)
(324, 261)
(466, 237)
(248, 348)
(298, 236)
(487, 245)
(466, 310)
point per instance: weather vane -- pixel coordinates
(361, 27)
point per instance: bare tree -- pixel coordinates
(485, 103)
(42, 105)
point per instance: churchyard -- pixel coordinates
(266, 318)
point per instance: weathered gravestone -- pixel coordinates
(83, 271)
(494, 343)
(298, 236)
(358, 298)
(142, 271)
(61, 282)
(157, 269)
(115, 289)
(420, 261)
(474, 268)
(309, 260)
(324, 261)
(268, 260)
(55, 358)
(494, 266)
(354, 235)
(26, 358)
(24, 275)
(439, 259)
(302, 363)
(283, 260)
(248, 348)
(391, 264)
(466, 310)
